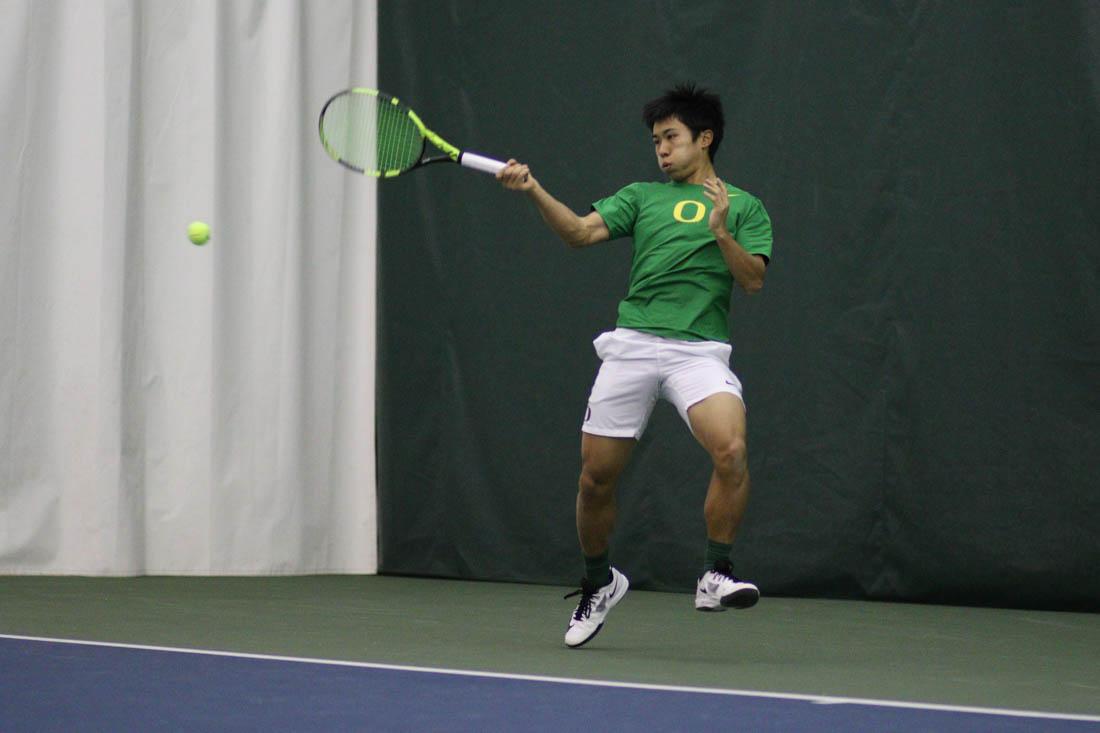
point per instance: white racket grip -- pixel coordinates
(480, 163)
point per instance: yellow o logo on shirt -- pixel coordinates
(678, 212)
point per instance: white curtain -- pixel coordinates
(168, 408)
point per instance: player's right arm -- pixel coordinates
(574, 230)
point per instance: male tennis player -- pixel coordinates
(694, 237)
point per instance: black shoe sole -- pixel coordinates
(744, 598)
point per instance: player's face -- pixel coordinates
(677, 154)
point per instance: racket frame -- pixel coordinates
(451, 153)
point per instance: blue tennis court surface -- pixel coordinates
(63, 685)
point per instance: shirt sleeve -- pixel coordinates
(620, 211)
(755, 231)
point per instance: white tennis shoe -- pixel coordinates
(720, 589)
(588, 618)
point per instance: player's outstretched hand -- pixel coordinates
(715, 190)
(516, 176)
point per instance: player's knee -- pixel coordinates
(596, 484)
(730, 455)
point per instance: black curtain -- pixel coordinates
(922, 368)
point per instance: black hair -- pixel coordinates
(697, 108)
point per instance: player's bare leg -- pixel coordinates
(719, 425)
(602, 462)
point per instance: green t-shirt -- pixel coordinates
(679, 283)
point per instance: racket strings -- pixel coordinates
(370, 133)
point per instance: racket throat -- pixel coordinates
(452, 152)
(464, 157)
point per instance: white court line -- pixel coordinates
(819, 699)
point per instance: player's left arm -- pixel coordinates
(747, 269)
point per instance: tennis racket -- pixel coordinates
(373, 133)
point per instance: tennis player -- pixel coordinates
(694, 237)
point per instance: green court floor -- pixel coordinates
(1025, 660)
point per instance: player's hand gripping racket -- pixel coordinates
(371, 132)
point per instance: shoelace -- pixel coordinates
(725, 569)
(584, 607)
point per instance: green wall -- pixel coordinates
(922, 369)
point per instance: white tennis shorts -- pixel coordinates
(640, 367)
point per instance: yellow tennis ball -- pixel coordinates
(198, 232)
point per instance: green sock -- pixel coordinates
(715, 551)
(597, 570)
